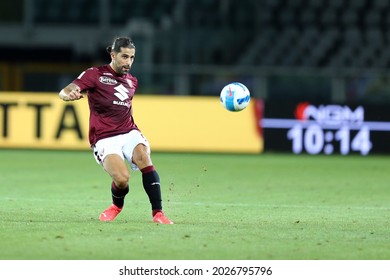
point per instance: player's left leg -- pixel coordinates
(151, 182)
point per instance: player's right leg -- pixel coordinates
(116, 167)
(108, 153)
(110, 213)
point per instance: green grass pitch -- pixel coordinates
(225, 206)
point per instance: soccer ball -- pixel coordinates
(235, 97)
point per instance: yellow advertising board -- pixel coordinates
(32, 120)
(171, 123)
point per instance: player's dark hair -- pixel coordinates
(121, 42)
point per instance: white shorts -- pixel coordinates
(122, 145)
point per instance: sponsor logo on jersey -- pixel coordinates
(107, 81)
(122, 94)
(121, 103)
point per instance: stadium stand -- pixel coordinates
(321, 33)
(293, 33)
(188, 45)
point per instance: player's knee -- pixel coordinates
(141, 156)
(121, 179)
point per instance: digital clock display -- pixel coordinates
(326, 129)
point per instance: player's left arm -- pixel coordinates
(71, 92)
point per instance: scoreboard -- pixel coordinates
(309, 128)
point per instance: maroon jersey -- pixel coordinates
(110, 98)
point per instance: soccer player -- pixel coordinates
(113, 134)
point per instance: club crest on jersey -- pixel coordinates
(130, 83)
(107, 80)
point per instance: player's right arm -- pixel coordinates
(70, 93)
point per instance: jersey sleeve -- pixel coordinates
(87, 79)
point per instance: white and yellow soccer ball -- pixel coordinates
(235, 97)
